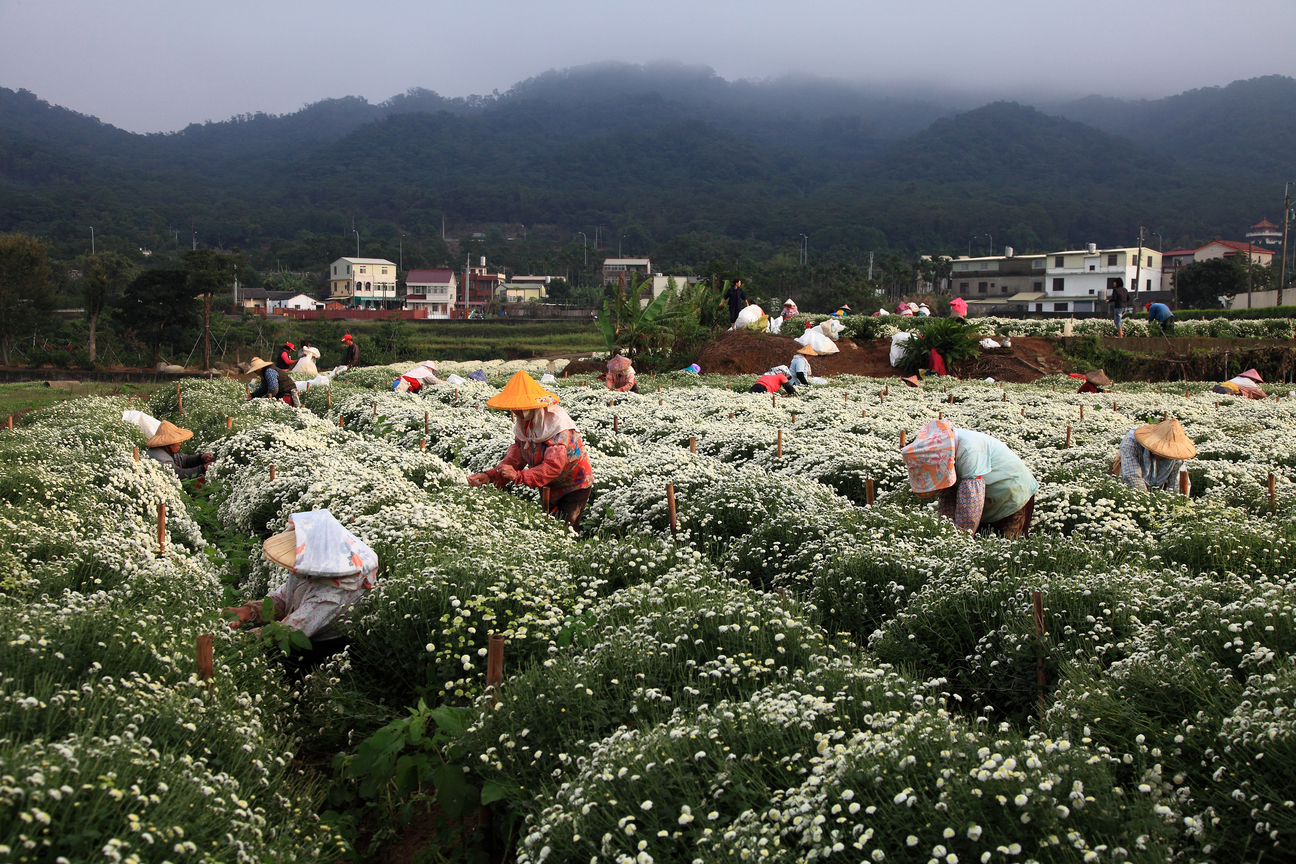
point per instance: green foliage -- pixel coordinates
(1202, 283)
(635, 328)
(25, 296)
(955, 342)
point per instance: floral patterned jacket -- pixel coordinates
(559, 463)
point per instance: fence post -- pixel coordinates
(1183, 482)
(495, 663)
(1273, 500)
(692, 444)
(670, 507)
(902, 439)
(868, 491)
(206, 662)
(161, 526)
(1068, 444)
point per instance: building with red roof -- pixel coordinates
(1266, 233)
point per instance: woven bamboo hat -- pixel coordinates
(808, 351)
(1166, 439)
(1253, 375)
(257, 365)
(168, 433)
(282, 548)
(522, 393)
(1097, 376)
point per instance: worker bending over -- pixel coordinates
(547, 452)
(978, 481)
(799, 369)
(164, 447)
(778, 378)
(620, 374)
(275, 383)
(1152, 456)
(1243, 385)
(1094, 382)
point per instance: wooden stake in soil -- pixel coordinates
(868, 491)
(229, 422)
(456, 395)
(544, 498)
(1183, 482)
(425, 422)
(940, 415)
(670, 507)
(793, 416)
(495, 664)
(136, 449)
(615, 426)
(779, 453)
(375, 409)
(1081, 412)
(1068, 444)
(179, 400)
(1005, 396)
(773, 400)
(1187, 395)
(341, 421)
(422, 444)
(692, 444)
(272, 472)
(951, 399)
(161, 528)
(330, 397)
(730, 415)
(206, 662)
(1023, 412)
(1273, 500)
(886, 390)
(902, 439)
(1037, 601)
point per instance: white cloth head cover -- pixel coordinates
(541, 424)
(146, 423)
(326, 550)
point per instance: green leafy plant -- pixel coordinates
(955, 342)
(629, 325)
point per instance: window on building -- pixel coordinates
(963, 287)
(362, 270)
(1149, 285)
(982, 287)
(1003, 289)
(1111, 259)
(384, 271)
(1038, 286)
(1059, 307)
(334, 269)
(1059, 283)
(1039, 307)
(1037, 264)
(1091, 290)
(1093, 267)
(1149, 261)
(368, 286)
(1058, 261)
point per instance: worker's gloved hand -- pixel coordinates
(244, 614)
(509, 472)
(207, 458)
(478, 480)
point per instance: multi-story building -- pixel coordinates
(433, 291)
(1081, 280)
(364, 283)
(615, 268)
(1174, 261)
(481, 287)
(998, 283)
(1265, 233)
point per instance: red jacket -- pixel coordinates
(772, 383)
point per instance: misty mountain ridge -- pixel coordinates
(671, 150)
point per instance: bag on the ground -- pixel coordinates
(148, 425)
(816, 339)
(898, 347)
(748, 315)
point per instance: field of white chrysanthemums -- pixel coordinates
(798, 675)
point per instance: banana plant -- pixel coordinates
(628, 325)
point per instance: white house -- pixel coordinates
(1075, 281)
(296, 301)
(432, 290)
(363, 283)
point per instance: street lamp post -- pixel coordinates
(1157, 235)
(357, 233)
(584, 247)
(805, 248)
(991, 236)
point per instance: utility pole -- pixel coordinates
(400, 252)
(870, 275)
(585, 245)
(1138, 267)
(357, 233)
(991, 252)
(1282, 270)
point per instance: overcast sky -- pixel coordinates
(156, 66)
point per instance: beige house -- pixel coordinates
(434, 291)
(522, 292)
(364, 283)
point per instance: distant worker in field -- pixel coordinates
(777, 379)
(164, 447)
(620, 374)
(736, 298)
(978, 482)
(1151, 456)
(329, 571)
(1094, 382)
(350, 352)
(958, 307)
(799, 369)
(547, 452)
(1243, 385)
(1118, 301)
(789, 308)
(842, 311)
(284, 358)
(1160, 313)
(275, 383)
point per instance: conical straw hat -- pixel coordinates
(257, 365)
(1253, 375)
(168, 433)
(521, 394)
(1097, 376)
(1166, 439)
(282, 548)
(808, 351)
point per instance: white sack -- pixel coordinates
(455, 379)
(816, 339)
(832, 328)
(749, 315)
(989, 343)
(819, 381)
(148, 425)
(898, 347)
(326, 550)
(775, 323)
(548, 379)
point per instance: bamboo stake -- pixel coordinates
(773, 400)
(1037, 600)
(1273, 500)
(1113, 404)
(229, 422)
(425, 422)
(863, 413)
(670, 507)
(940, 415)
(179, 398)
(206, 662)
(422, 444)
(495, 664)
(272, 472)
(868, 491)
(341, 421)
(886, 390)
(1023, 412)
(136, 449)
(375, 413)
(779, 452)
(330, 396)
(1068, 444)
(544, 498)
(1183, 482)
(456, 395)
(615, 426)
(1187, 394)
(793, 416)
(1005, 396)
(161, 525)
(902, 439)
(730, 415)
(692, 444)
(1081, 412)
(951, 399)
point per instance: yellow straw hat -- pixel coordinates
(1099, 377)
(168, 433)
(257, 365)
(1166, 439)
(808, 351)
(282, 548)
(521, 394)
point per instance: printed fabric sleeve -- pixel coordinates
(625, 387)
(969, 504)
(513, 457)
(264, 387)
(555, 460)
(1131, 467)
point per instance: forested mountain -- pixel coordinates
(671, 160)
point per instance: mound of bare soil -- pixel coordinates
(745, 353)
